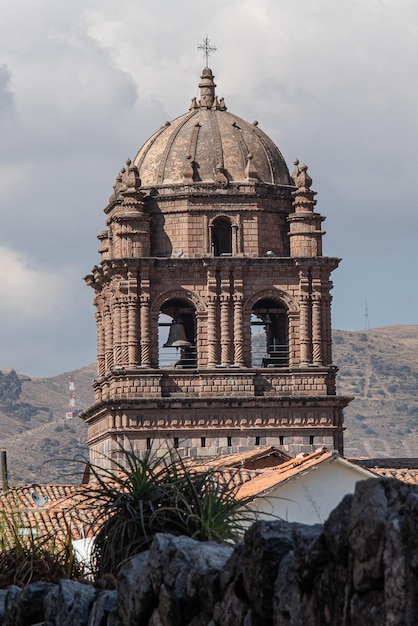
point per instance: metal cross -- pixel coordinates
(206, 48)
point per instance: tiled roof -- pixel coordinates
(404, 469)
(267, 456)
(57, 510)
(53, 511)
(270, 478)
(404, 474)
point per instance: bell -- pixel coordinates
(177, 336)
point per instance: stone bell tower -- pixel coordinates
(212, 296)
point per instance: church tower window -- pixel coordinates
(222, 237)
(177, 335)
(270, 342)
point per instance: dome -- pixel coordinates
(209, 145)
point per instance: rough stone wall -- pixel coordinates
(359, 568)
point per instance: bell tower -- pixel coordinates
(212, 297)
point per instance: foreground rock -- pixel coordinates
(360, 568)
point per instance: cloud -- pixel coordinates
(83, 85)
(28, 294)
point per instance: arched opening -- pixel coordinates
(221, 237)
(177, 335)
(269, 334)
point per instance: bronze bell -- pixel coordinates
(177, 336)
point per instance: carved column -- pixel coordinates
(304, 335)
(132, 332)
(238, 320)
(117, 346)
(326, 316)
(145, 332)
(206, 238)
(124, 324)
(108, 332)
(238, 334)
(211, 332)
(316, 330)
(225, 332)
(292, 336)
(101, 363)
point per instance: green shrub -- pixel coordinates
(141, 497)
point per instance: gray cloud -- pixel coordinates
(82, 86)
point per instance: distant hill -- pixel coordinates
(379, 367)
(39, 440)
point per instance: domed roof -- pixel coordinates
(209, 145)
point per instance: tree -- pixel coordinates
(10, 387)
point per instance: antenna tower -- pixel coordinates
(366, 318)
(72, 412)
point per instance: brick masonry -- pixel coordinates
(222, 258)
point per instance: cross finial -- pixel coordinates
(206, 48)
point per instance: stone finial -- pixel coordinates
(117, 188)
(220, 178)
(207, 88)
(250, 170)
(222, 105)
(193, 105)
(131, 177)
(188, 172)
(296, 170)
(303, 196)
(303, 180)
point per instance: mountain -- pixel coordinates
(378, 367)
(41, 442)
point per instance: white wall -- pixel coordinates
(312, 496)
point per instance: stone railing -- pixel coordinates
(360, 567)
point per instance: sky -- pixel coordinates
(84, 83)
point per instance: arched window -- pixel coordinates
(221, 237)
(269, 333)
(177, 335)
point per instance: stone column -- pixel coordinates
(316, 330)
(206, 235)
(132, 332)
(326, 317)
(238, 322)
(117, 347)
(212, 338)
(225, 332)
(145, 332)
(108, 332)
(292, 336)
(124, 324)
(101, 361)
(304, 335)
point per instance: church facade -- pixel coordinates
(212, 297)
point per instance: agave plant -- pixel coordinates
(140, 497)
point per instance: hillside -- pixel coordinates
(379, 367)
(39, 440)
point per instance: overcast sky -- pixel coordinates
(84, 83)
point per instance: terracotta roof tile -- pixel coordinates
(404, 474)
(48, 511)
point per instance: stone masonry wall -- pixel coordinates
(359, 568)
